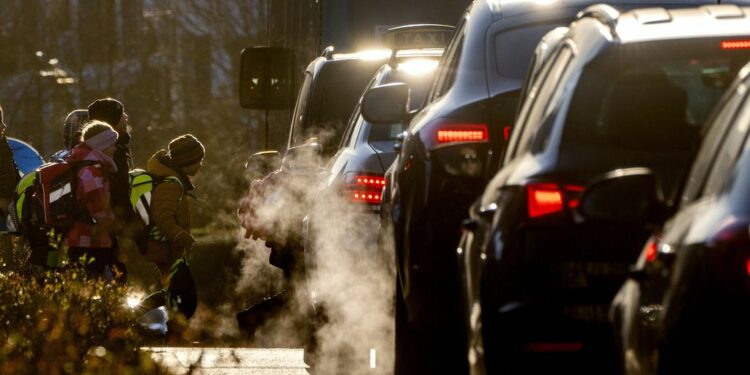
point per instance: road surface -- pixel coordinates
(209, 361)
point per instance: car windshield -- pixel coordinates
(645, 105)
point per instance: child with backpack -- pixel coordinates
(89, 235)
(169, 236)
(45, 242)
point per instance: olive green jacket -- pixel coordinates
(170, 208)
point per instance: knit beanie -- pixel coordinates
(108, 110)
(185, 150)
(99, 135)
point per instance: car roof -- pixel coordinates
(513, 8)
(653, 24)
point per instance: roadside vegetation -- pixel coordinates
(64, 323)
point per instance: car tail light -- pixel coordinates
(549, 198)
(544, 199)
(735, 44)
(652, 250)
(364, 188)
(506, 132)
(747, 266)
(449, 132)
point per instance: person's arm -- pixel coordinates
(165, 202)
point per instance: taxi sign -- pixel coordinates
(418, 36)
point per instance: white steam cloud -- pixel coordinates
(350, 278)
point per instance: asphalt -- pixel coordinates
(211, 360)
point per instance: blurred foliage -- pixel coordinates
(65, 323)
(174, 65)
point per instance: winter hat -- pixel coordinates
(108, 110)
(73, 126)
(185, 150)
(99, 135)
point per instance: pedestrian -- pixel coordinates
(112, 112)
(90, 235)
(8, 180)
(46, 244)
(72, 127)
(170, 210)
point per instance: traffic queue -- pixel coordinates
(570, 195)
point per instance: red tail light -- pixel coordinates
(506, 132)
(747, 266)
(651, 250)
(365, 197)
(370, 181)
(549, 198)
(462, 133)
(364, 188)
(735, 44)
(544, 199)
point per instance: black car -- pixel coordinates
(539, 262)
(331, 86)
(348, 192)
(449, 151)
(341, 226)
(686, 304)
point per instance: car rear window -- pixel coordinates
(514, 48)
(645, 105)
(335, 93)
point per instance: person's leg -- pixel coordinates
(117, 267)
(96, 261)
(43, 254)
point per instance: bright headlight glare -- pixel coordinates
(416, 67)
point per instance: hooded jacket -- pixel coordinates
(8, 171)
(170, 208)
(92, 193)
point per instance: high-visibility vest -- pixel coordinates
(142, 184)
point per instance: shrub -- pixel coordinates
(63, 322)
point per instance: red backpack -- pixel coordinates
(54, 192)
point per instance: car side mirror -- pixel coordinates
(386, 104)
(626, 195)
(262, 163)
(304, 159)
